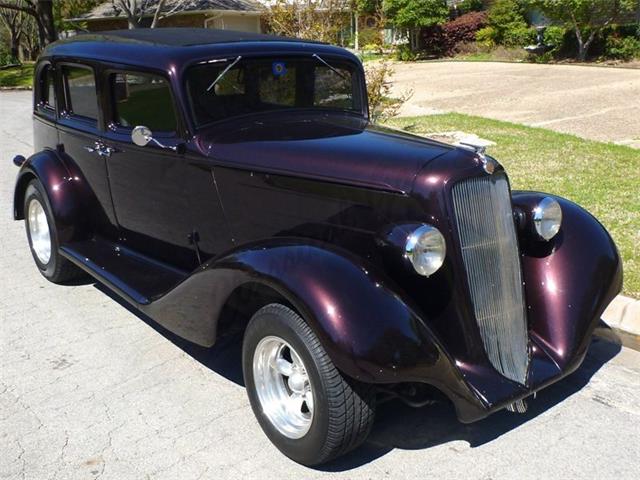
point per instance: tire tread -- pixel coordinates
(351, 403)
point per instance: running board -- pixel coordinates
(135, 276)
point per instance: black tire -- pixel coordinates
(57, 269)
(344, 409)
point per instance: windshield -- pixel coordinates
(237, 86)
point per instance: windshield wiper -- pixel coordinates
(224, 72)
(334, 70)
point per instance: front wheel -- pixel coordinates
(307, 408)
(42, 236)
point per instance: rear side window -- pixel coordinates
(47, 93)
(80, 90)
(142, 99)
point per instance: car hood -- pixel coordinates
(338, 148)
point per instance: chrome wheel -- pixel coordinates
(283, 387)
(39, 231)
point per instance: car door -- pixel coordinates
(147, 182)
(79, 136)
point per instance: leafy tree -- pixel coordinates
(587, 18)
(71, 9)
(367, 6)
(412, 15)
(321, 20)
(467, 6)
(13, 21)
(506, 16)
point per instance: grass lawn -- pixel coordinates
(603, 178)
(21, 76)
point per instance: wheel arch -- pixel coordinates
(243, 302)
(19, 192)
(60, 187)
(369, 331)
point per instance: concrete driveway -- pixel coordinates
(591, 102)
(89, 390)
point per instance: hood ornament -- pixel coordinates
(479, 146)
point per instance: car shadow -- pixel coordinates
(224, 358)
(398, 425)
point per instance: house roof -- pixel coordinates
(109, 10)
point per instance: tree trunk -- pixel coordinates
(583, 47)
(14, 49)
(582, 51)
(44, 9)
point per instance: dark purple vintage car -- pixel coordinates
(221, 181)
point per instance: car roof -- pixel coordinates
(186, 37)
(173, 48)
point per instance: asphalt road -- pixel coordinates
(592, 102)
(89, 390)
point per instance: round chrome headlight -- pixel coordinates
(547, 218)
(426, 249)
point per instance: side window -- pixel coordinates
(141, 99)
(333, 89)
(80, 89)
(47, 93)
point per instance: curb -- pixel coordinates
(14, 89)
(623, 316)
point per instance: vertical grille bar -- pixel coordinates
(491, 258)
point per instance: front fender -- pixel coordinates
(369, 329)
(60, 186)
(569, 281)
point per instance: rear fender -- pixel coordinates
(60, 186)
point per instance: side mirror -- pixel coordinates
(141, 136)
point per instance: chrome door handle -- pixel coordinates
(100, 148)
(105, 151)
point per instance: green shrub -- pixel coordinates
(518, 35)
(626, 48)
(554, 36)
(372, 47)
(370, 36)
(404, 53)
(507, 19)
(487, 37)
(546, 57)
(7, 59)
(467, 6)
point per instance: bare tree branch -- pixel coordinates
(156, 16)
(31, 9)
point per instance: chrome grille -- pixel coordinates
(491, 258)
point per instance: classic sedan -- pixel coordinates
(223, 181)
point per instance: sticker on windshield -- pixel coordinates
(278, 69)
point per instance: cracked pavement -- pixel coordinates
(88, 390)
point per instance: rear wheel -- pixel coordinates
(307, 408)
(43, 238)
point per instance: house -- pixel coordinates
(243, 15)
